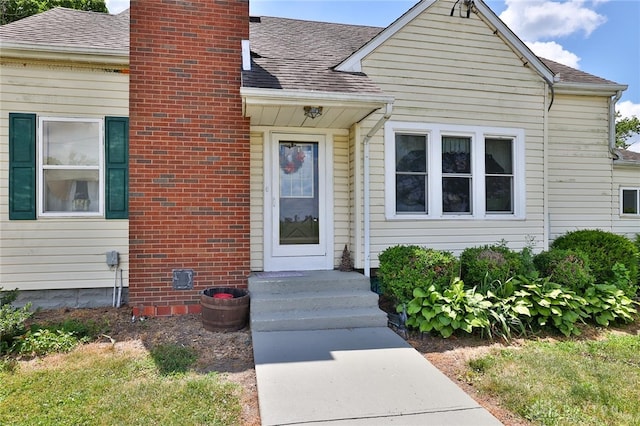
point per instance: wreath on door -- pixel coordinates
(291, 159)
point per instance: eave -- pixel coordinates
(41, 52)
(284, 108)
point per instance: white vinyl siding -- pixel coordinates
(456, 72)
(580, 165)
(257, 186)
(55, 253)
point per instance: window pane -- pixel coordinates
(456, 155)
(498, 156)
(629, 201)
(499, 194)
(71, 143)
(411, 193)
(456, 195)
(71, 190)
(411, 153)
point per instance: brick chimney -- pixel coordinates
(189, 153)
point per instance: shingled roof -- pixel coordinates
(565, 74)
(69, 28)
(300, 55)
(286, 53)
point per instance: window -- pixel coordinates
(68, 167)
(71, 164)
(442, 171)
(630, 201)
(498, 169)
(411, 173)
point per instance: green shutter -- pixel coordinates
(117, 167)
(22, 166)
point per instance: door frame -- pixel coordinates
(322, 258)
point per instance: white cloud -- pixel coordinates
(536, 20)
(628, 109)
(117, 6)
(555, 52)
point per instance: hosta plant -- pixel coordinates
(455, 308)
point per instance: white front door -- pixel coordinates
(298, 224)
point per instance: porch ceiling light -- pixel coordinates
(313, 111)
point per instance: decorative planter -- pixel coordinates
(224, 309)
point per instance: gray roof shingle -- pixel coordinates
(567, 74)
(300, 55)
(62, 27)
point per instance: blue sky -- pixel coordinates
(601, 37)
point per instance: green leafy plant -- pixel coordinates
(506, 312)
(569, 268)
(405, 268)
(12, 319)
(549, 304)
(604, 250)
(45, 341)
(486, 264)
(608, 302)
(456, 308)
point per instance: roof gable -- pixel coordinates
(353, 62)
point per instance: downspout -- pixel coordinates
(612, 146)
(612, 122)
(367, 183)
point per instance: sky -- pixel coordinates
(601, 37)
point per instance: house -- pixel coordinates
(205, 145)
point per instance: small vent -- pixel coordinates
(183, 279)
(255, 19)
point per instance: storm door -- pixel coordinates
(299, 219)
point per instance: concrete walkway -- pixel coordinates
(359, 376)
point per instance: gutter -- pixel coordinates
(388, 109)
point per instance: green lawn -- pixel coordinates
(567, 383)
(107, 385)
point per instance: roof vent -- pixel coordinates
(255, 19)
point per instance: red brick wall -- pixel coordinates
(189, 151)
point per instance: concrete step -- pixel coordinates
(325, 319)
(290, 282)
(313, 300)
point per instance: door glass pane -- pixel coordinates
(299, 198)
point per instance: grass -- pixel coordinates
(105, 384)
(566, 383)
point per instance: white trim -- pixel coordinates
(62, 53)
(101, 166)
(246, 56)
(300, 257)
(434, 133)
(259, 96)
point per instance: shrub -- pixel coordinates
(604, 250)
(12, 319)
(568, 268)
(606, 303)
(405, 268)
(482, 266)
